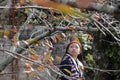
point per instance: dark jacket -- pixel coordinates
(70, 68)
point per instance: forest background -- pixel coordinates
(34, 35)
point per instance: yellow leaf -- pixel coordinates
(1, 33)
(32, 51)
(6, 33)
(50, 61)
(76, 39)
(58, 58)
(47, 56)
(14, 39)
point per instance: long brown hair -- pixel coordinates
(71, 42)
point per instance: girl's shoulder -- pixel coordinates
(67, 59)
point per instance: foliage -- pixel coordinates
(36, 51)
(113, 53)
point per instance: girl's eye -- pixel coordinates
(74, 47)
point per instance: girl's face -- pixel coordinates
(74, 49)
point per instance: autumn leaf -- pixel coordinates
(71, 27)
(96, 17)
(47, 56)
(34, 57)
(58, 37)
(80, 79)
(28, 70)
(32, 51)
(14, 39)
(50, 61)
(6, 33)
(22, 1)
(76, 39)
(40, 67)
(14, 30)
(90, 36)
(57, 58)
(28, 64)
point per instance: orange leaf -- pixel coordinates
(22, 1)
(59, 37)
(14, 30)
(96, 17)
(71, 27)
(28, 70)
(40, 68)
(28, 64)
(80, 79)
(90, 37)
(34, 57)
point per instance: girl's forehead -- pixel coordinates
(74, 44)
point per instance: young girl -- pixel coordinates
(70, 65)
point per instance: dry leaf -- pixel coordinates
(71, 27)
(58, 58)
(96, 17)
(28, 64)
(28, 70)
(14, 39)
(22, 1)
(90, 37)
(76, 39)
(58, 37)
(80, 79)
(40, 67)
(34, 57)
(50, 60)
(6, 33)
(47, 56)
(32, 51)
(14, 30)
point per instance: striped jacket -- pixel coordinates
(71, 68)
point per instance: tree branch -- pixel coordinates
(19, 50)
